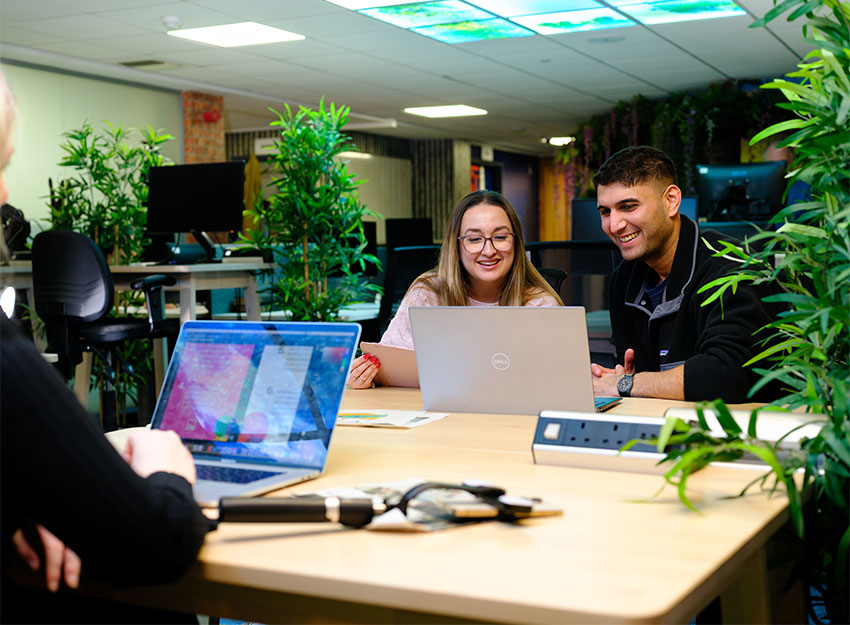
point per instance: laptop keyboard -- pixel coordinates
(231, 474)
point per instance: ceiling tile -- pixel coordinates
(32, 10)
(81, 27)
(150, 16)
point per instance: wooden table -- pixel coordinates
(607, 559)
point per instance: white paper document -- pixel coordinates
(389, 418)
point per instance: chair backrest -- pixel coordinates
(588, 265)
(555, 277)
(403, 266)
(71, 280)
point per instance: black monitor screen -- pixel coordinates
(206, 197)
(745, 191)
(585, 223)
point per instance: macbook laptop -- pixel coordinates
(504, 359)
(255, 402)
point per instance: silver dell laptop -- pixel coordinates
(504, 359)
(255, 402)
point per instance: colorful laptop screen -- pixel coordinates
(258, 391)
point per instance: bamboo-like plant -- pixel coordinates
(312, 226)
(106, 198)
(808, 257)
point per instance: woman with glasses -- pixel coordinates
(482, 263)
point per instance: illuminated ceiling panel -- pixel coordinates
(681, 10)
(463, 32)
(574, 21)
(428, 13)
(459, 21)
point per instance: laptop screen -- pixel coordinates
(257, 391)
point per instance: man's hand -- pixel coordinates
(57, 558)
(628, 366)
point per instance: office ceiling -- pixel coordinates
(533, 87)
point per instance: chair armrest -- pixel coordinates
(154, 298)
(148, 282)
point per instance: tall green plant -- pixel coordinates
(106, 197)
(808, 257)
(312, 226)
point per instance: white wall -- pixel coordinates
(51, 103)
(386, 189)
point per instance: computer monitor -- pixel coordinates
(586, 225)
(740, 192)
(404, 232)
(200, 198)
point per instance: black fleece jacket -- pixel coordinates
(712, 342)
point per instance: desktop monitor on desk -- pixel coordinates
(586, 224)
(740, 192)
(201, 198)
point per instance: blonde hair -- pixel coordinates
(8, 113)
(450, 280)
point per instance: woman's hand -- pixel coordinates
(363, 371)
(57, 558)
(149, 451)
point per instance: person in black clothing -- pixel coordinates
(69, 499)
(671, 346)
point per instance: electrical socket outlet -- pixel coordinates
(598, 434)
(612, 434)
(646, 432)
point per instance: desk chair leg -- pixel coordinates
(82, 379)
(160, 361)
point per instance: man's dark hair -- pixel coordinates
(636, 165)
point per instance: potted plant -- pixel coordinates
(810, 353)
(105, 198)
(311, 227)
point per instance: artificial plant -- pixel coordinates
(106, 196)
(808, 257)
(312, 225)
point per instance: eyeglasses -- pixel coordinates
(474, 243)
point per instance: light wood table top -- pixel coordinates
(607, 559)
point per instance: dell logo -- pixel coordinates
(500, 361)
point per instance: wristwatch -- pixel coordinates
(624, 385)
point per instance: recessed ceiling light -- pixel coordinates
(233, 35)
(427, 13)
(679, 10)
(574, 21)
(559, 141)
(512, 8)
(452, 110)
(478, 30)
(355, 5)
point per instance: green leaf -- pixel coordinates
(724, 417)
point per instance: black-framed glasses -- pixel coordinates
(474, 243)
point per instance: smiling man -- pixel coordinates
(670, 346)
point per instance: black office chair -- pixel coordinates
(589, 265)
(74, 294)
(555, 277)
(403, 266)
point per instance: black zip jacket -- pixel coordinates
(712, 342)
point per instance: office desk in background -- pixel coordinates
(200, 277)
(190, 280)
(607, 559)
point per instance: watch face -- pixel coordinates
(624, 384)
